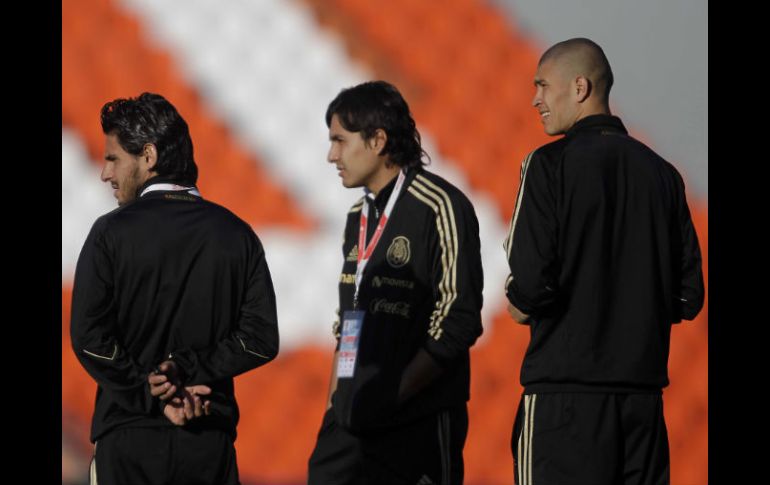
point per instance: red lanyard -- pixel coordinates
(365, 251)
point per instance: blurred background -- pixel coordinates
(253, 79)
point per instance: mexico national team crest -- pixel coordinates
(398, 252)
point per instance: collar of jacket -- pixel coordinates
(598, 122)
(381, 200)
(161, 180)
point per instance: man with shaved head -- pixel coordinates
(583, 63)
(604, 259)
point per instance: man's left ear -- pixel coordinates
(380, 139)
(582, 88)
(150, 155)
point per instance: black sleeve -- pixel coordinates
(531, 246)
(253, 342)
(457, 279)
(688, 300)
(93, 327)
(337, 330)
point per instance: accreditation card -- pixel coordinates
(352, 321)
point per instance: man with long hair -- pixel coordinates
(410, 305)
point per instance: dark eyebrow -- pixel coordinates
(335, 137)
(110, 157)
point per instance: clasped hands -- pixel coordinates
(181, 404)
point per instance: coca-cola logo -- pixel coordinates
(381, 305)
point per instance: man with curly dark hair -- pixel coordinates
(172, 298)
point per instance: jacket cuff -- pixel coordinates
(439, 352)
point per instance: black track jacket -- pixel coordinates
(170, 273)
(421, 288)
(604, 257)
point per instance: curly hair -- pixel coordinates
(150, 118)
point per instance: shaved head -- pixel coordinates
(582, 57)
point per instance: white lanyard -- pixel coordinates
(152, 188)
(364, 251)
